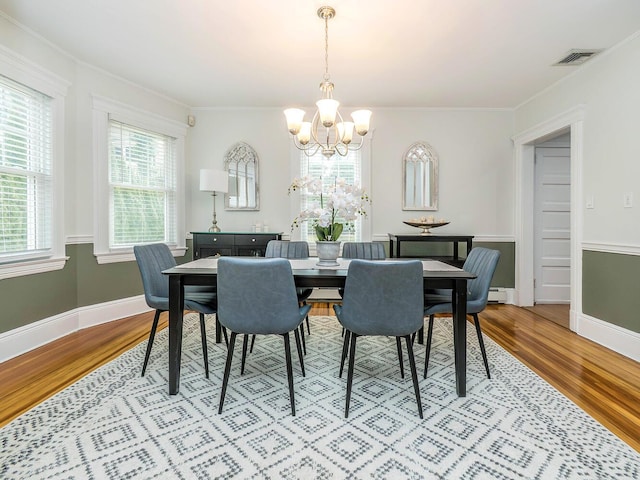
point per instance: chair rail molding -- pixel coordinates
(621, 248)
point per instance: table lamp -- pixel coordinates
(214, 181)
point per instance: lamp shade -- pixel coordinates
(214, 181)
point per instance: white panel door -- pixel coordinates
(552, 225)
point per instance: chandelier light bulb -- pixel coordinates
(328, 107)
(361, 119)
(304, 135)
(294, 119)
(345, 132)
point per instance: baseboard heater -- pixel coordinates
(497, 295)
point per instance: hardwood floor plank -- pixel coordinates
(600, 381)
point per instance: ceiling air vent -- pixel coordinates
(576, 57)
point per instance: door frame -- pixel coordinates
(524, 153)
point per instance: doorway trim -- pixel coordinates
(524, 152)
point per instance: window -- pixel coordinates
(142, 186)
(25, 170)
(138, 173)
(349, 168)
(31, 153)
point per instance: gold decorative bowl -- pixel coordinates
(426, 226)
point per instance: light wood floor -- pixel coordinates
(605, 384)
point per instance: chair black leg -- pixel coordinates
(152, 335)
(304, 344)
(345, 347)
(352, 355)
(205, 353)
(299, 348)
(428, 349)
(399, 345)
(253, 340)
(287, 354)
(476, 321)
(227, 369)
(414, 373)
(308, 327)
(421, 336)
(223, 330)
(244, 353)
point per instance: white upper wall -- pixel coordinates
(608, 88)
(474, 148)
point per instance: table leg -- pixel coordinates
(460, 336)
(176, 307)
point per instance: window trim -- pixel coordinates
(20, 70)
(105, 109)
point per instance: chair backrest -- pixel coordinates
(152, 260)
(383, 298)
(284, 249)
(482, 262)
(364, 250)
(257, 295)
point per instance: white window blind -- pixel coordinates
(348, 168)
(26, 184)
(142, 186)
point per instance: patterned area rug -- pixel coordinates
(113, 424)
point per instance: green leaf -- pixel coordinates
(322, 233)
(337, 231)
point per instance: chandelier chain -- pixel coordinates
(326, 49)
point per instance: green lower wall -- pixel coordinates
(610, 288)
(31, 298)
(82, 282)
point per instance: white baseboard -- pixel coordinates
(24, 339)
(616, 338)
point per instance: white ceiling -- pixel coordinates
(428, 53)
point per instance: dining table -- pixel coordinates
(307, 274)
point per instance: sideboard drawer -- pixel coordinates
(249, 240)
(213, 239)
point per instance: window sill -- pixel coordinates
(31, 267)
(128, 256)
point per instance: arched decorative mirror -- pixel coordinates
(420, 178)
(241, 161)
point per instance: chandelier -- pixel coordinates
(327, 131)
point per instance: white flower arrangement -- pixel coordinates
(341, 203)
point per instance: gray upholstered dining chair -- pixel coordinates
(258, 296)
(288, 249)
(382, 298)
(364, 250)
(482, 262)
(152, 260)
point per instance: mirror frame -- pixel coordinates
(421, 152)
(242, 153)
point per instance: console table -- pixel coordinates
(207, 244)
(396, 240)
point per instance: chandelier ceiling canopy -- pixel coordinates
(327, 131)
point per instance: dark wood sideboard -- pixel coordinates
(207, 244)
(397, 239)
